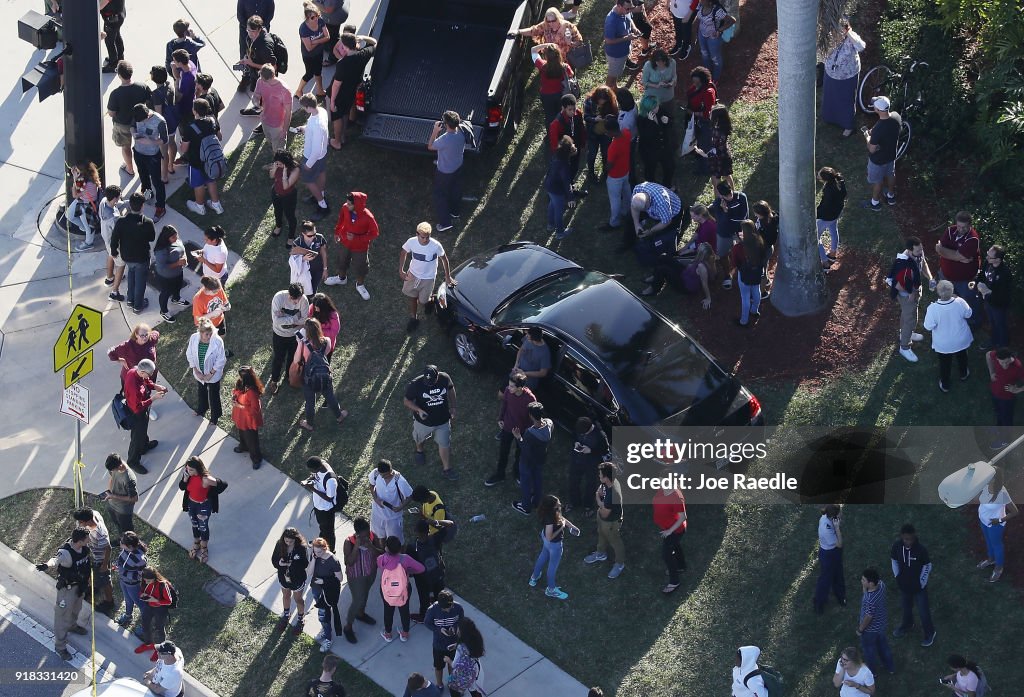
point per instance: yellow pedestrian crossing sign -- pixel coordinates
(81, 332)
(78, 369)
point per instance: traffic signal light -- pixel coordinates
(39, 30)
(45, 77)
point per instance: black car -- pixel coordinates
(614, 357)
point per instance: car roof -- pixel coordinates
(488, 279)
(122, 687)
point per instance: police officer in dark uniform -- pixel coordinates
(73, 562)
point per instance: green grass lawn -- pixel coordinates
(233, 651)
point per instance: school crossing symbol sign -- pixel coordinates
(81, 332)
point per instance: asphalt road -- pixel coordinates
(20, 653)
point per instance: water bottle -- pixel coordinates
(478, 518)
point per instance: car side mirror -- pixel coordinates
(506, 341)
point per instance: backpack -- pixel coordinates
(340, 494)
(280, 53)
(211, 154)
(317, 373)
(123, 416)
(430, 558)
(173, 593)
(394, 584)
(772, 679)
(464, 675)
(570, 85)
(728, 33)
(983, 686)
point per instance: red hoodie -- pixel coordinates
(356, 227)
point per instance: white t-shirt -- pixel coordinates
(424, 257)
(328, 486)
(394, 492)
(217, 254)
(827, 538)
(966, 683)
(992, 506)
(171, 676)
(861, 677)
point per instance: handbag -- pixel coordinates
(295, 374)
(580, 57)
(690, 137)
(123, 416)
(570, 85)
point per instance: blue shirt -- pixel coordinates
(665, 205)
(451, 148)
(873, 603)
(827, 537)
(616, 26)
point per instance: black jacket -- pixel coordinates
(1000, 282)
(263, 8)
(131, 238)
(261, 49)
(214, 495)
(833, 199)
(912, 566)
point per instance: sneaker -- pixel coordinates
(335, 281)
(148, 194)
(168, 317)
(533, 581)
(649, 280)
(929, 640)
(107, 69)
(493, 480)
(669, 588)
(366, 619)
(272, 387)
(140, 468)
(251, 111)
(419, 457)
(403, 636)
(114, 295)
(595, 557)
(108, 281)
(916, 337)
(137, 310)
(412, 324)
(520, 508)
(727, 283)
(876, 207)
(363, 293)
(386, 636)
(297, 629)
(350, 635)
(195, 207)
(909, 354)
(258, 131)
(564, 233)
(443, 227)
(181, 303)
(84, 246)
(985, 564)
(451, 475)
(153, 416)
(151, 445)
(647, 291)
(966, 375)
(890, 199)
(159, 214)
(64, 654)
(320, 637)
(616, 571)
(417, 617)
(942, 387)
(556, 593)
(326, 646)
(124, 620)
(216, 207)
(455, 216)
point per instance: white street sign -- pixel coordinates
(75, 402)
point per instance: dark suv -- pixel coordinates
(614, 357)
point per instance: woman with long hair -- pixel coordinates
(558, 185)
(659, 78)
(396, 597)
(291, 557)
(830, 208)
(465, 674)
(84, 207)
(553, 71)
(325, 582)
(284, 172)
(206, 357)
(247, 413)
(155, 603)
(995, 507)
(749, 261)
(600, 104)
(555, 29)
(706, 230)
(323, 309)
(965, 678)
(718, 155)
(687, 275)
(198, 485)
(766, 222)
(701, 97)
(314, 341)
(169, 261)
(657, 144)
(553, 527)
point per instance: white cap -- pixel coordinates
(881, 103)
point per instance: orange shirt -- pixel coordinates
(247, 413)
(203, 303)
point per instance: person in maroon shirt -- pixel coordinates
(141, 344)
(138, 391)
(1006, 381)
(513, 413)
(960, 260)
(569, 122)
(670, 517)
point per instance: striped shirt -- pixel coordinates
(130, 565)
(873, 603)
(665, 205)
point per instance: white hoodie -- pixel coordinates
(748, 663)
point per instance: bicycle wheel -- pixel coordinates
(872, 85)
(903, 139)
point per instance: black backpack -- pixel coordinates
(317, 373)
(280, 53)
(341, 494)
(173, 593)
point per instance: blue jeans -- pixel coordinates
(550, 555)
(136, 273)
(711, 54)
(131, 598)
(76, 213)
(199, 513)
(447, 195)
(619, 194)
(920, 598)
(874, 646)
(530, 478)
(833, 229)
(831, 561)
(310, 394)
(556, 211)
(963, 289)
(998, 325)
(994, 543)
(750, 300)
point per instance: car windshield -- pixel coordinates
(660, 364)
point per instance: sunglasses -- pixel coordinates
(142, 336)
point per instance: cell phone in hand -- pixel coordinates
(103, 495)
(414, 510)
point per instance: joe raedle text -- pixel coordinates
(708, 482)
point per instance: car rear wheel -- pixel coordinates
(467, 350)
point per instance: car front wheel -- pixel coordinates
(466, 349)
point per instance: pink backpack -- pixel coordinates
(394, 584)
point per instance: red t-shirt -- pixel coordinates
(196, 491)
(276, 101)
(1010, 375)
(968, 245)
(667, 507)
(707, 232)
(618, 155)
(551, 85)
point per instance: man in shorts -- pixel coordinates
(419, 279)
(431, 399)
(121, 109)
(313, 167)
(619, 31)
(881, 142)
(347, 76)
(355, 230)
(111, 209)
(191, 142)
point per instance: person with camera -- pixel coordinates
(156, 595)
(588, 451)
(312, 355)
(442, 619)
(965, 679)
(122, 492)
(609, 521)
(322, 484)
(448, 139)
(654, 208)
(389, 490)
(360, 552)
(139, 390)
(852, 677)
(558, 185)
(830, 558)
(129, 565)
(72, 561)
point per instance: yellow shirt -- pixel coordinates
(434, 511)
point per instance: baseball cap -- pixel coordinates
(166, 647)
(881, 103)
(430, 373)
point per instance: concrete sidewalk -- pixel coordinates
(37, 443)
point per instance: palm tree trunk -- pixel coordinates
(799, 287)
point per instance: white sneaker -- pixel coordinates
(195, 207)
(335, 281)
(326, 646)
(917, 337)
(216, 207)
(152, 414)
(909, 355)
(148, 194)
(363, 293)
(84, 247)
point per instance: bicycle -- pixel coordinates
(882, 80)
